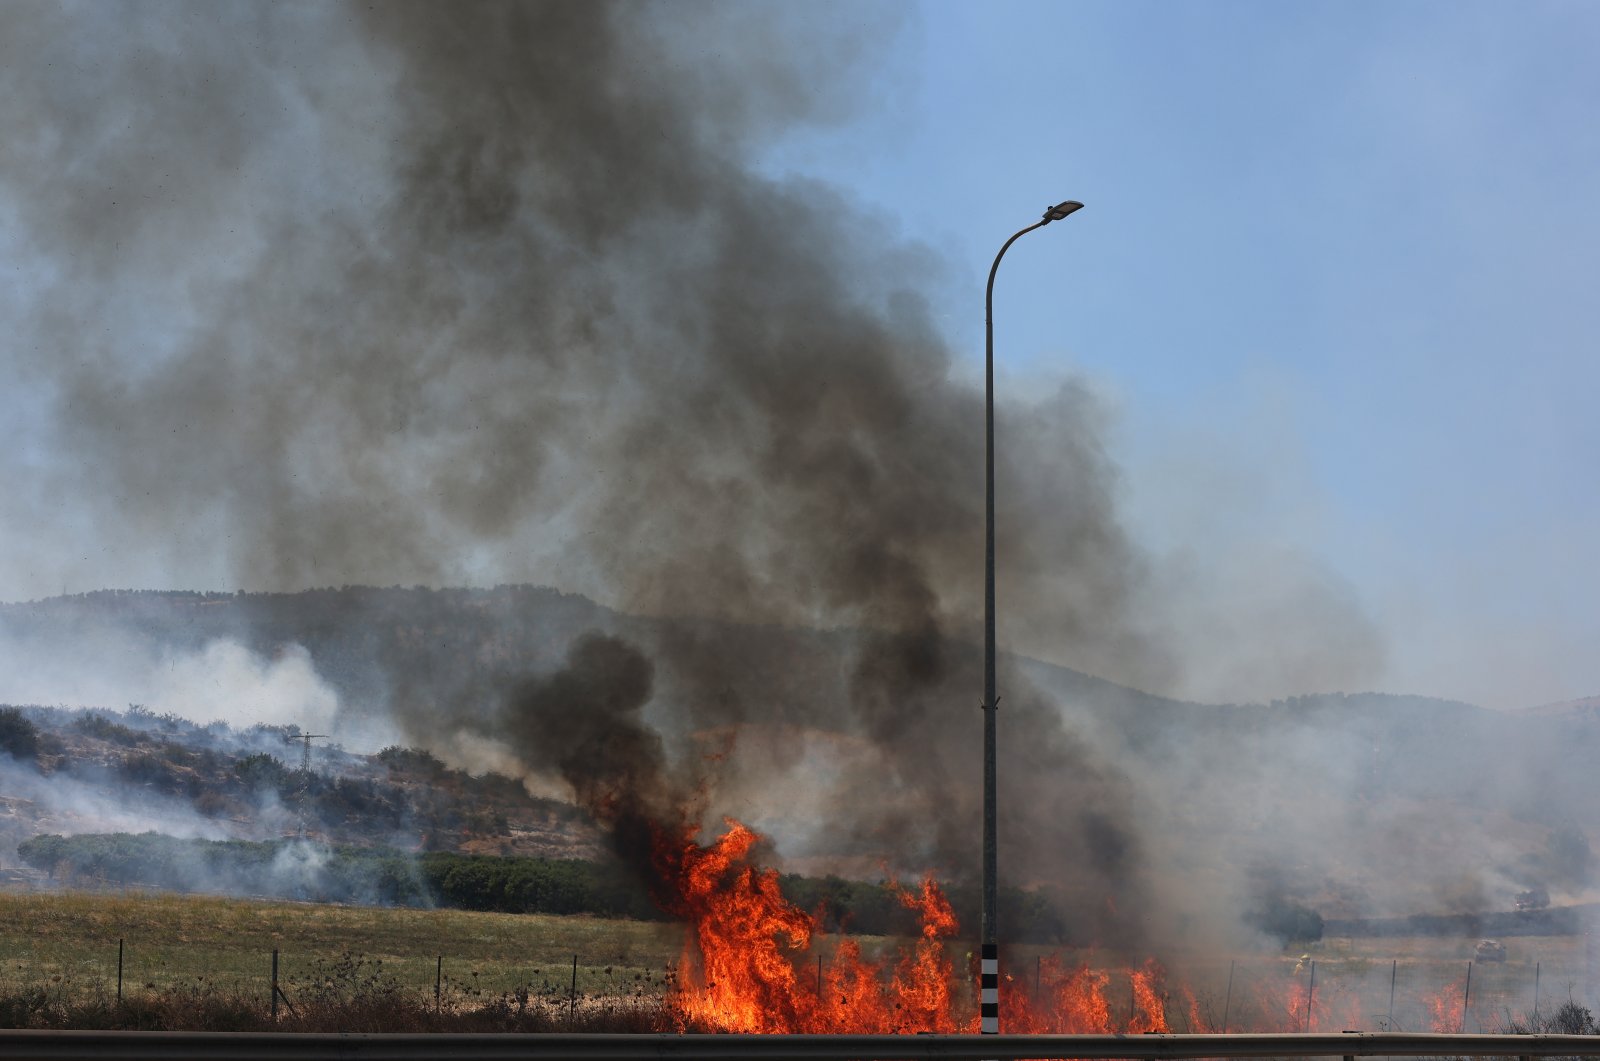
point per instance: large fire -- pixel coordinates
(739, 974)
(748, 966)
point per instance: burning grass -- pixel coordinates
(741, 958)
(744, 969)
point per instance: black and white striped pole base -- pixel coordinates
(989, 991)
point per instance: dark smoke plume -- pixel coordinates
(583, 723)
(474, 292)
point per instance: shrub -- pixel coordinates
(19, 737)
(95, 724)
(262, 772)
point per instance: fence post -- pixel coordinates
(1536, 989)
(1227, 1002)
(119, 972)
(1311, 995)
(274, 984)
(1394, 968)
(1466, 996)
(438, 983)
(572, 1006)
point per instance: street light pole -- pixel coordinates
(989, 984)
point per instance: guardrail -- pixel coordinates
(298, 1046)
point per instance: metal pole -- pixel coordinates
(274, 984)
(438, 983)
(1311, 995)
(1536, 989)
(1466, 996)
(1394, 969)
(989, 968)
(119, 972)
(572, 1006)
(1227, 1002)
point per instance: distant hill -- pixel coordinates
(1585, 708)
(1360, 805)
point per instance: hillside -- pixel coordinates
(1359, 805)
(94, 771)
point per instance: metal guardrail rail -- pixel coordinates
(293, 1046)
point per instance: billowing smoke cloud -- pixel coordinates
(99, 665)
(492, 291)
(584, 722)
(420, 295)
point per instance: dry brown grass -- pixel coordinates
(201, 955)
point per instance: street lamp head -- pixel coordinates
(1059, 211)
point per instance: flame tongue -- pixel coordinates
(741, 930)
(923, 980)
(737, 972)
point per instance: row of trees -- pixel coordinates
(302, 870)
(280, 869)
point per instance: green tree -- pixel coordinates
(19, 737)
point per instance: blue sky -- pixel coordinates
(1337, 274)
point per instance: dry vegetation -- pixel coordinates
(206, 963)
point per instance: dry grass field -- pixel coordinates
(61, 947)
(66, 938)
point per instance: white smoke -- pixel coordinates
(222, 682)
(226, 682)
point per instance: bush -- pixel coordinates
(43, 853)
(19, 737)
(260, 772)
(1286, 920)
(95, 724)
(1569, 1018)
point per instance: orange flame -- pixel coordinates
(742, 926)
(1445, 1007)
(1149, 1001)
(1070, 1001)
(745, 968)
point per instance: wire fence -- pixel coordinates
(1428, 987)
